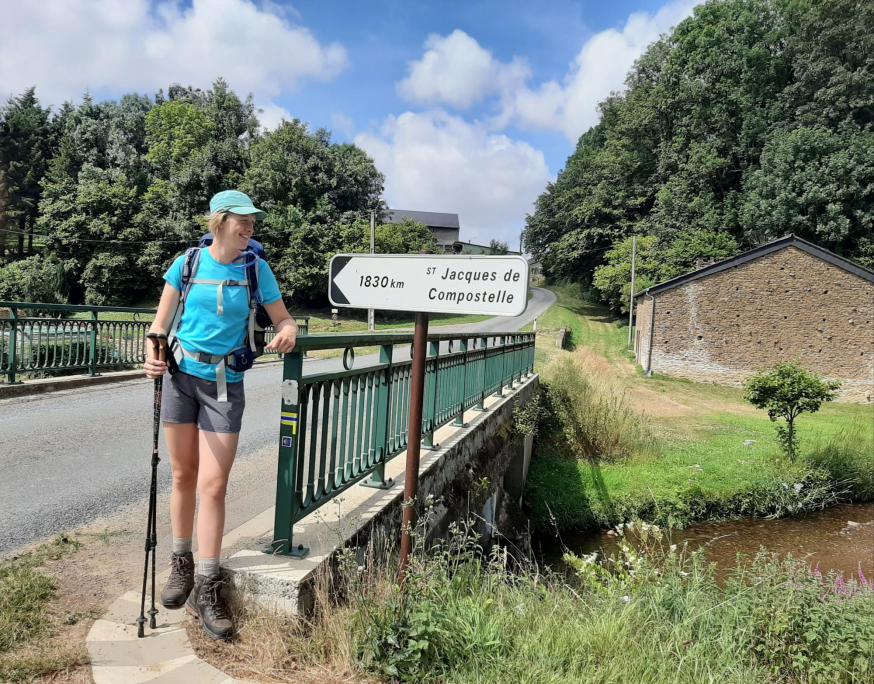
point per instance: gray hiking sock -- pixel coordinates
(208, 567)
(181, 545)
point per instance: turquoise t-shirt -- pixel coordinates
(201, 329)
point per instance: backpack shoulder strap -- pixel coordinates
(252, 266)
(189, 268)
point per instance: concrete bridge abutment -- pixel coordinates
(476, 473)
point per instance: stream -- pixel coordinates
(839, 538)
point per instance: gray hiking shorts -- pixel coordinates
(187, 399)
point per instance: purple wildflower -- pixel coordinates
(864, 582)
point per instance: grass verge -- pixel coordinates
(28, 626)
(616, 445)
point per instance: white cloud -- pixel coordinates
(456, 71)
(66, 46)
(598, 69)
(342, 125)
(271, 115)
(434, 161)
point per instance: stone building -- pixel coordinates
(785, 300)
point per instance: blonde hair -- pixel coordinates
(216, 221)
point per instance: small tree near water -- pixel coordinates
(785, 391)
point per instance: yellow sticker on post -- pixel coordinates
(289, 419)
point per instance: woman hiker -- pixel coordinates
(203, 402)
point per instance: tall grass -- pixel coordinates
(655, 614)
(848, 458)
(589, 413)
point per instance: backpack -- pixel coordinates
(241, 359)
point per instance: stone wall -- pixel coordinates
(786, 305)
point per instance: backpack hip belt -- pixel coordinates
(220, 362)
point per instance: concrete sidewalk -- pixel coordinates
(165, 654)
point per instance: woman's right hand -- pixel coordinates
(154, 368)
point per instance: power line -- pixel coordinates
(78, 239)
(178, 241)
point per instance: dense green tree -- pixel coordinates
(657, 261)
(174, 131)
(613, 279)
(317, 197)
(816, 183)
(830, 45)
(25, 151)
(93, 220)
(750, 119)
(408, 237)
(692, 249)
(91, 194)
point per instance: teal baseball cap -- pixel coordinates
(235, 202)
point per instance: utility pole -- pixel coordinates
(631, 294)
(371, 313)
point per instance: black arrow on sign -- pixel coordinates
(337, 265)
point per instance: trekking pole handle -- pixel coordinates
(159, 344)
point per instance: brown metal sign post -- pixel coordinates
(432, 283)
(411, 479)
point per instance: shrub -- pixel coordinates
(468, 617)
(34, 279)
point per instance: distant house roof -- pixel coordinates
(473, 248)
(760, 251)
(432, 219)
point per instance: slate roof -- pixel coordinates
(760, 251)
(432, 219)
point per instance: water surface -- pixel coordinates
(840, 538)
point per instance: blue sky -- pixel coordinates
(466, 107)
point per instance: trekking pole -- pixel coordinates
(159, 343)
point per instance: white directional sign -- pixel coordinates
(494, 285)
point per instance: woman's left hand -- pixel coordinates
(284, 340)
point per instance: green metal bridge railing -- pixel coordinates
(337, 428)
(36, 339)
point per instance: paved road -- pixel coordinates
(70, 457)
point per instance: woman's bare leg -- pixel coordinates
(217, 452)
(182, 442)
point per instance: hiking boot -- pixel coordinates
(181, 580)
(207, 604)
